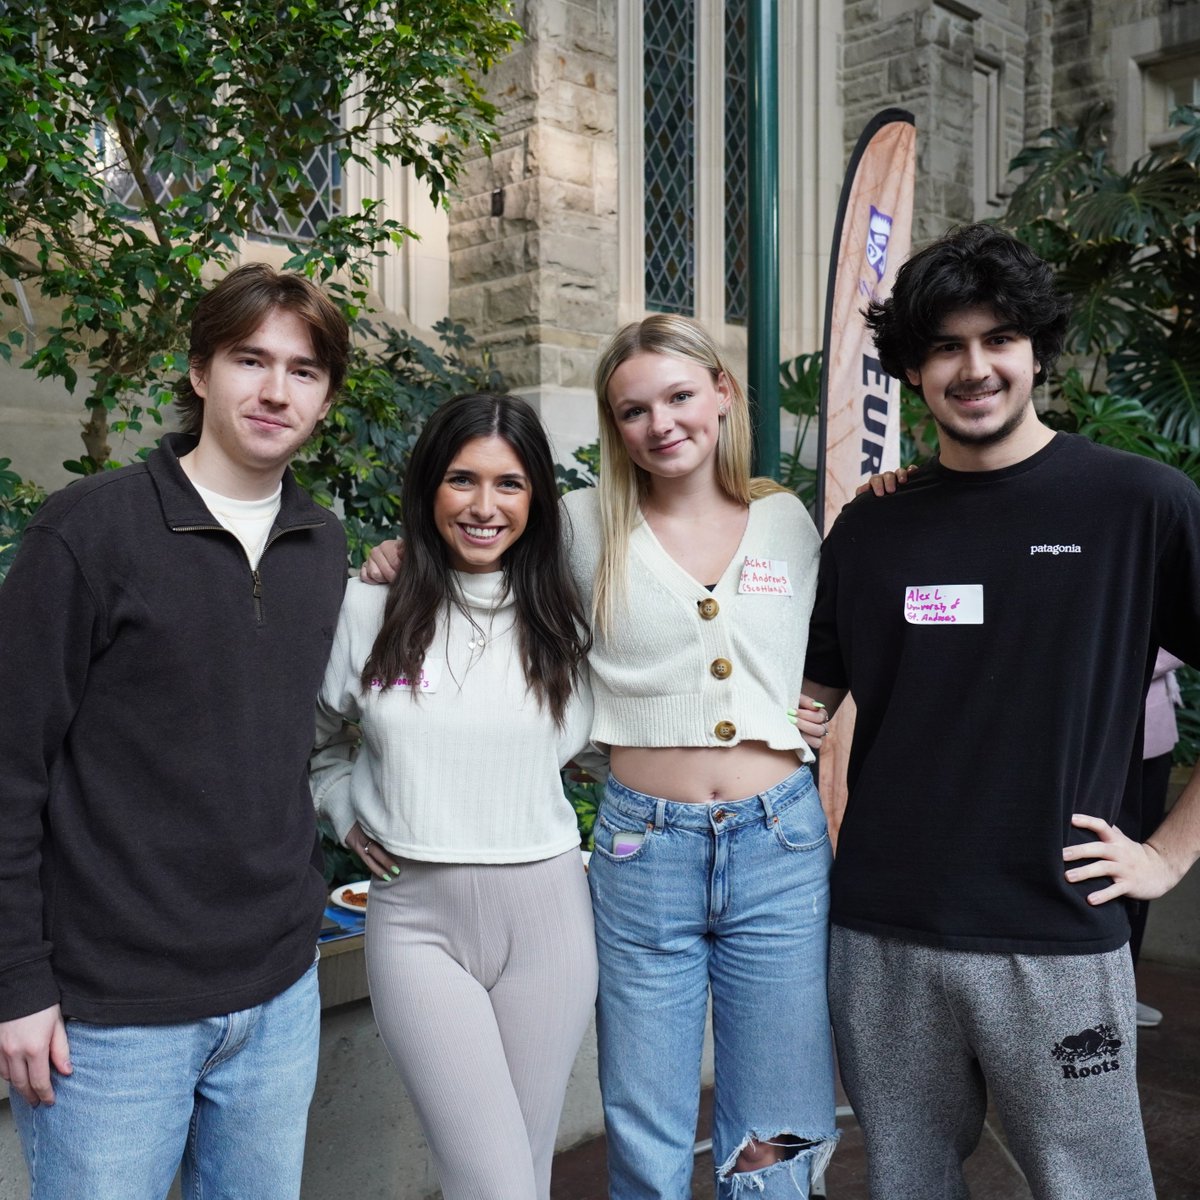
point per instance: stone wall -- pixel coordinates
(534, 238)
(1084, 67)
(533, 232)
(922, 56)
(538, 254)
(1053, 57)
(1102, 51)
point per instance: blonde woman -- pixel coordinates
(711, 864)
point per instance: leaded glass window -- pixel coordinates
(736, 165)
(151, 116)
(317, 199)
(669, 171)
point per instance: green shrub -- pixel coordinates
(19, 500)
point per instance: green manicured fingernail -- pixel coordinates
(395, 872)
(817, 704)
(791, 712)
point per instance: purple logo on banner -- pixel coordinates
(878, 233)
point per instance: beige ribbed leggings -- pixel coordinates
(483, 978)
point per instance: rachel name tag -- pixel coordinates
(764, 577)
(944, 604)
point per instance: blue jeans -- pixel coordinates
(732, 897)
(227, 1096)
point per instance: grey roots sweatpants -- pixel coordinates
(924, 1034)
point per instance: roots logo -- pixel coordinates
(1092, 1052)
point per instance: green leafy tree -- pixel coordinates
(144, 141)
(584, 475)
(19, 500)
(1124, 246)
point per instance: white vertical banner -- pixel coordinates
(860, 404)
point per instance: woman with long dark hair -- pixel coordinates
(451, 702)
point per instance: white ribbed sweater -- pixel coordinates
(651, 675)
(467, 772)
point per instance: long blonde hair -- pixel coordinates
(623, 483)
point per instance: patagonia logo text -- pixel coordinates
(1055, 549)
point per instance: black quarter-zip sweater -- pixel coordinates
(158, 857)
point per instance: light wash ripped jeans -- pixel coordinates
(732, 898)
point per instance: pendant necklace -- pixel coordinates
(478, 639)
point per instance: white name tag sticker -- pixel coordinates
(430, 677)
(764, 577)
(944, 604)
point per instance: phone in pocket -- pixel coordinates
(626, 841)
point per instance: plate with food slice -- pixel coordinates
(351, 896)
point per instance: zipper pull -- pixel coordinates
(257, 584)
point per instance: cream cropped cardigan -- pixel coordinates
(688, 667)
(464, 766)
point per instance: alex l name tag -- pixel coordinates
(944, 604)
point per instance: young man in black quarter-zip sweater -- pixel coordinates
(165, 629)
(997, 621)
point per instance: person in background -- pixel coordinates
(465, 683)
(165, 630)
(1162, 732)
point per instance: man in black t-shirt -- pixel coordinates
(997, 622)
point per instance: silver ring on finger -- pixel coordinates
(366, 849)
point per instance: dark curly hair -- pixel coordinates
(971, 266)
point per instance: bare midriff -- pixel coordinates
(702, 774)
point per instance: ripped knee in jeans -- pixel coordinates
(784, 1162)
